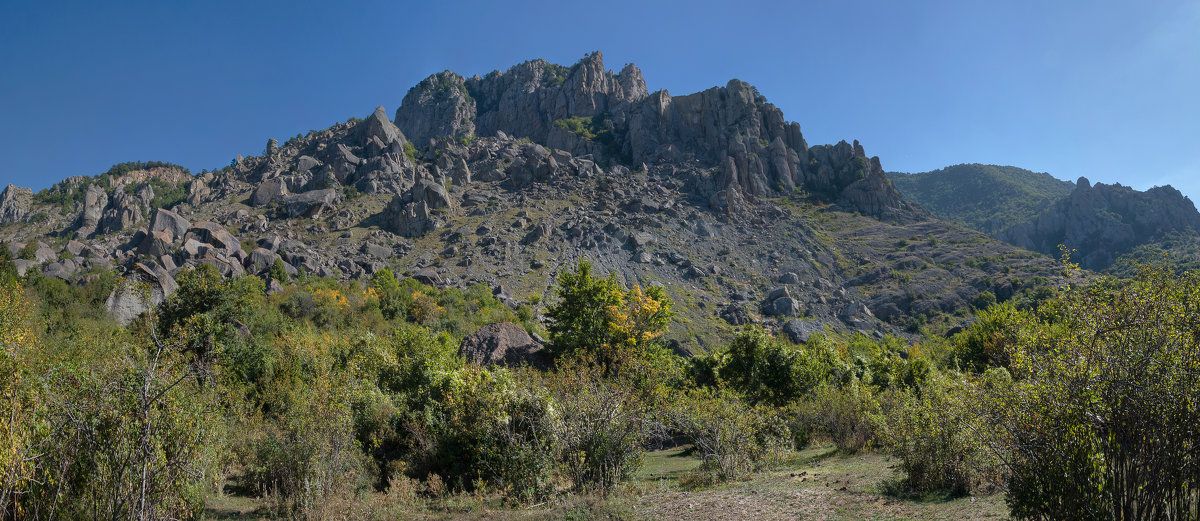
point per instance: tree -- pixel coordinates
(597, 316)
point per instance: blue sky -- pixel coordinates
(1100, 89)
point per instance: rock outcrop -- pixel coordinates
(95, 200)
(141, 289)
(15, 203)
(587, 110)
(1101, 222)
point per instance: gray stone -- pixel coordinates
(155, 244)
(642, 239)
(503, 343)
(800, 331)
(213, 234)
(377, 251)
(778, 292)
(260, 260)
(428, 277)
(786, 307)
(306, 163)
(172, 223)
(735, 315)
(312, 204)
(142, 289)
(94, 202)
(268, 192)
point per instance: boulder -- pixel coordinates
(407, 218)
(260, 260)
(379, 127)
(210, 233)
(785, 307)
(156, 244)
(503, 343)
(306, 163)
(856, 313)
(312, 204)
(142, 288)
(735, 315)
(799, 331)
(268, 192)
(641, 239)
(428, 277)
(376, 251)
(167, 221)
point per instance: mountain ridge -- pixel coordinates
(713, 195)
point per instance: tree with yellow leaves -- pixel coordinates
(598, 317)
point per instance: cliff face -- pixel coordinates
(1102, 222)
(589, 111)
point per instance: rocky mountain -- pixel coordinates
(988, 198)
(504, 179)
(1103, 222)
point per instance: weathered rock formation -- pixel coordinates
(1103, 221)
(15, 203)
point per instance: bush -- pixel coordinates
(1102, 419)
(490, 430)
(848, 416)
(940, 442)
(731, 437)
(602, 426)
(766, 370)
(600, 318)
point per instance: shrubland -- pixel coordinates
(332, 399)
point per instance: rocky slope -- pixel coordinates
(504, 179)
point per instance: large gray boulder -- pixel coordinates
(15, 203)
(377, 126)
(170, 222)
(141, 289)
(210, 233)
(268, 192)
(312, 204)
(800, 331)
(503, 343)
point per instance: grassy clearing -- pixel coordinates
(817, 484)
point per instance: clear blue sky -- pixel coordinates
(1102, 89)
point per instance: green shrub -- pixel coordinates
(849, 416)
(939, 440)
(766, 370)
(602, 426)
(731, 437)
(1101, 419)
(490, 430)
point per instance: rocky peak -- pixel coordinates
(378, 126)
(438, 106)
(15, 203)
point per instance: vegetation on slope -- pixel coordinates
(338, 399)
(987, 198)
